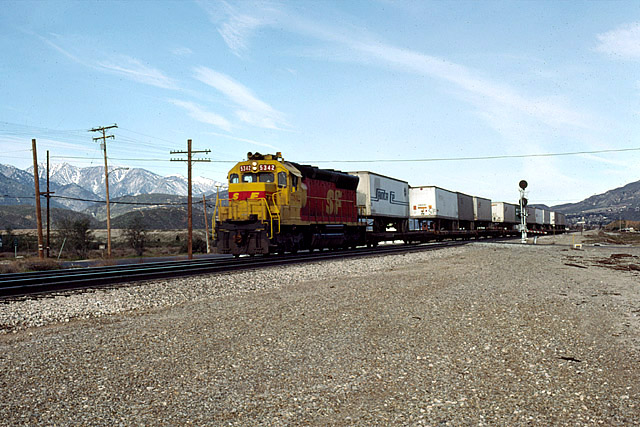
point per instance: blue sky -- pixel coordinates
(333, 83)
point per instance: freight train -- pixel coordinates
(277, 206)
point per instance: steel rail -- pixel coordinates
(25, 284)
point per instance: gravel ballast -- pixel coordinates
(483, 334)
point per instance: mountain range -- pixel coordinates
(78, 188)
(621, 203)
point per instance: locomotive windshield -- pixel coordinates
(258, 177)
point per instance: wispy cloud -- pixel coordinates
(356, 45)
(252, 110)
(234, 26)
(236, 32)
(123, 65)
(201, 115)
(62, 51)
(249, 109)
(486, 91)
(622, 164)
(137, 71)
(623, 42)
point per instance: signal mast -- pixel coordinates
(523, 211)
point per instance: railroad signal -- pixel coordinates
(523, 211)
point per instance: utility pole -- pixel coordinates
(189, 161)
(103, 145)
(206, 222)
(38, 212)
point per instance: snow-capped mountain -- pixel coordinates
(18, 175)
(88, 183)
(126, 181)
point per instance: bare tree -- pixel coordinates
(78, 235)
(136, 235)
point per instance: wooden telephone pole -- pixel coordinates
(189, 161)
(103, 145)
(38, 212)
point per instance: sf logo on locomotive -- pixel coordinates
(334, 201)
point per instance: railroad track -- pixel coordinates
(38, 283)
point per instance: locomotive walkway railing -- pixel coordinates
(272, 215)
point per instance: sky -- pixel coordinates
(444, 93)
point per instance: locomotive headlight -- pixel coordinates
(254, 166)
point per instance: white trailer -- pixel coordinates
(482, 209)
(531, 215)
(502, 212)
(465, 207)
(383, 199)
(557, 220)
(561, 219)
(539, 216)
(431, 202)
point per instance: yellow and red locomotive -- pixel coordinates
(278, 206)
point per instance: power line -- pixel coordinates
(148, 136)
(111, 158)
(434, 159)
(104, 201)
(505, 156)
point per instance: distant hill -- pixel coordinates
(172, 218)
(619, 203)
(145, 202)
(123, 205)
(541, 206)
(158, 218)
(17, 217)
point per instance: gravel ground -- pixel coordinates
(482, 334)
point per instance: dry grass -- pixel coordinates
(158, 243)
(28, 264)
(614, 238)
